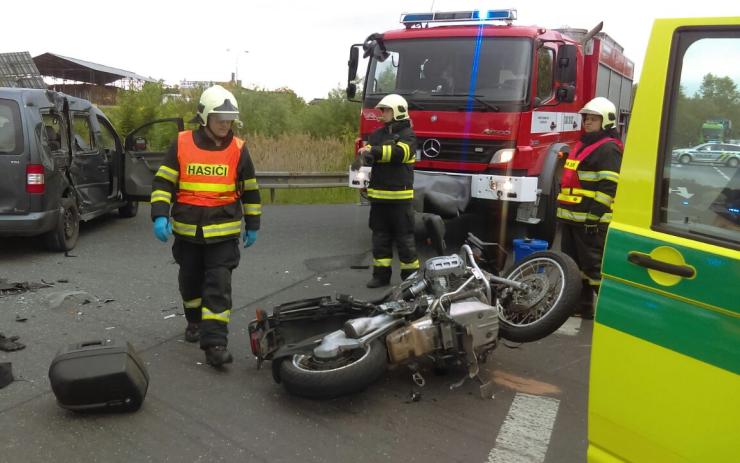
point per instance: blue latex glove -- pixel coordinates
(162, 228)
(250, 236)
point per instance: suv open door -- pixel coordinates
(145, 149)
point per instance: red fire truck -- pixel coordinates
(493, 104)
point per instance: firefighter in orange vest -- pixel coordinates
(588, 188)
(207, 184)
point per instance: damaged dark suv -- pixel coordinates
(62, 162)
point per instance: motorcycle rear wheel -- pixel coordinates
(555, 288)
(305, 375)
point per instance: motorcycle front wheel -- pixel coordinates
(553, 291)
(307, 376)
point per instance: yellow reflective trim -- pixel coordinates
(604, 199)
(572, 164)
(410, 265)
(386, 157)
(210, 187)
(222, 229)
(183, 228)
(252, 209)
(224, 316)
(596, 176)
(582, 216)
(406, 151)
(382, 262)
(570, 198)
(168, 174)
(192, 303)
(609, 175)
(388, 194)
(161, 195)
(250, 184)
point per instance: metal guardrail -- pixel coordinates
(283, 180)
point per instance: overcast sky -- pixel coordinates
(302, 45)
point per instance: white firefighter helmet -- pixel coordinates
(397, 103)
(216, 100)
(601, 106)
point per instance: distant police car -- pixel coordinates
(709, 153)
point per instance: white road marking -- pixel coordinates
(525, 434)
(722, 173)
(571, 327)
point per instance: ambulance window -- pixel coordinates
(700, 194)
(546, 56)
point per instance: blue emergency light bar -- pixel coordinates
(458, 16)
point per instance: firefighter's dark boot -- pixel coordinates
(192, 332)
(378, 281)
(218, 355)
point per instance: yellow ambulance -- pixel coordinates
(665, 364)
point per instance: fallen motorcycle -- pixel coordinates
(451, 311)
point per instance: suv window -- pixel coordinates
(701, 201)
(56, 136)
(11, 135)
(107, 137)
(83, 140)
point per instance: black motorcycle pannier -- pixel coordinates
(103, 375)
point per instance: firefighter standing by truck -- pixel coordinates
(208, 181)
(588, 189)
(391, 150)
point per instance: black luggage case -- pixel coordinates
(99, 375)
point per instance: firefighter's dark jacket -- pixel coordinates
(165, 188)
(393, 148)
(598, 174)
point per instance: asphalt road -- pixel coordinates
(121, 282)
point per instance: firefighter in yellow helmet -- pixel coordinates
(391, 150)
(204, 188)
(588, 189)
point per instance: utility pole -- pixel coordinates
(237, 54)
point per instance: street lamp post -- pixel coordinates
(237, 55)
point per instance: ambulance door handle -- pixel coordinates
(644, 260)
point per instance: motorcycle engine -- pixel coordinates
(442, 273)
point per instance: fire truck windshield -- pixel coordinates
(441, 73)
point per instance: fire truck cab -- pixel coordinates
(492, 104)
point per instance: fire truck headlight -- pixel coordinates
(508, 185)
(502, 156)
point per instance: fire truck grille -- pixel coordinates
(460, 150)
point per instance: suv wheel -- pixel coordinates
(733, 162)
(684, 159)
(64, 236)
(128, 210)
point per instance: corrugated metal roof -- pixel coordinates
(65, 67)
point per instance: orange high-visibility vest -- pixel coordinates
(207, 178)
(570, 174)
